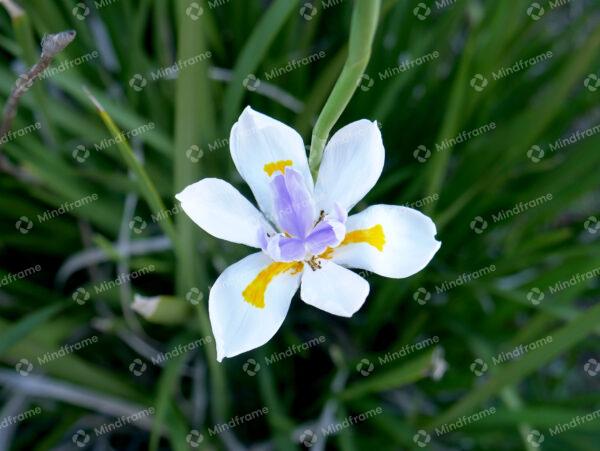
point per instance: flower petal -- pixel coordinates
(222, 211)
(249, 301)
(389, 240)
(294, 205)
(261, 145)
(328, 233)
(284, 249)
(334, 289)
(352, 163)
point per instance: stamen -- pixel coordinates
(321, 217)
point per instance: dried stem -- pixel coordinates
(51, 45)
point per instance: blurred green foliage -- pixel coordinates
(453, 68)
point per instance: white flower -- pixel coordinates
(303, 230)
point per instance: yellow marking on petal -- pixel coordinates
(280, 165)
(373, 236)
(254, 294)
(327, 254)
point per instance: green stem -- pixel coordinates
(362, 31)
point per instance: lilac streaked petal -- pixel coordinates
(284, 249)
(293, 202)
(339, 213)
(328, 233)
(262, 238)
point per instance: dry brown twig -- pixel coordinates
(51, 45)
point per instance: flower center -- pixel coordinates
(305, 233)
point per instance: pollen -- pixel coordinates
(280, 165)
(254, 294)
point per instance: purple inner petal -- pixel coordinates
(285, 249)
(328, 233)
(294, 207)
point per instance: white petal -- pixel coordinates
(409, 241)
(257, 141)
(334, 289)
(239, 326)
(352, 163)
(222, 211)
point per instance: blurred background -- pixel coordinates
(489, 115)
